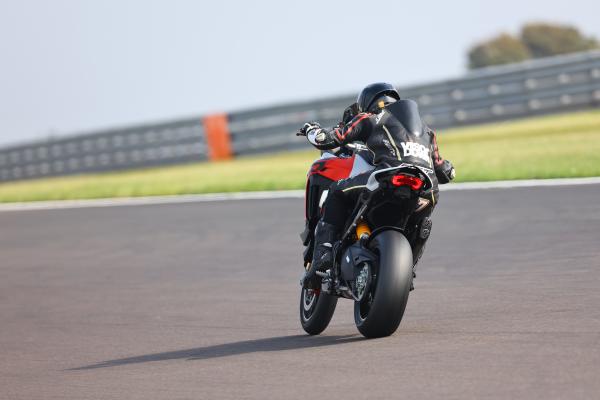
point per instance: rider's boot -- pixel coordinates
(325, 236)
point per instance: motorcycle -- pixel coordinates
(373, 260)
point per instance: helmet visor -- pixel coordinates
(381, 102)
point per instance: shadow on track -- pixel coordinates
(278, 343)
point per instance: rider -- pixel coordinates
(391, 143)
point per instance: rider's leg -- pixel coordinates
(422, 224)
(420, 236)
(342, 196)
(325, 236)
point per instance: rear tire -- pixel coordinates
(380, 313)
(316, 310)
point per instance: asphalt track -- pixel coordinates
(199, 301)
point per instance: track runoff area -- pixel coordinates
(198, 298)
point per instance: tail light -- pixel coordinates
(406, 180)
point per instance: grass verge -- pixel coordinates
(558, 146)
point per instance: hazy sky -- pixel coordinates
(70, 66)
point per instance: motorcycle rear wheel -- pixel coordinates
(380, 312)
(316, 310)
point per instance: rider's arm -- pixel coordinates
(444, 170)
(357, 129)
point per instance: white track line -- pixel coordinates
(524, 183)
(151, 200)
(280, 194)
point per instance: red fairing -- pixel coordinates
(334, 168)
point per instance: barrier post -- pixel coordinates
(218, 138)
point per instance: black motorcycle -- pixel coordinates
(373, 261)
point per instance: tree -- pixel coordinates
(544, 40)
(537, 40)
(504, 49)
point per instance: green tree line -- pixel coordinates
(535, 40)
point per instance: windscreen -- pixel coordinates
(407, 113)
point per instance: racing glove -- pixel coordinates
(307, 127)
(318, 136)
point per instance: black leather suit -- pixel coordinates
(394, 136)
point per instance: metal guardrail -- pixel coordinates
(530, 88)
(497, 93)
(140, 146)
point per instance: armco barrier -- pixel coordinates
(141, 146)
(535, 87)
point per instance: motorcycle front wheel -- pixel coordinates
(316, 310)
(380, 311)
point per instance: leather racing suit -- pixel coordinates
(394, 135)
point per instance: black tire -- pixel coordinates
(380, 313)
(316, 313)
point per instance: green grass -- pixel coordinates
(559, 146)
(566, 145)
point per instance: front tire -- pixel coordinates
(380, 313)
(316, 310)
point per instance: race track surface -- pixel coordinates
(200, 301)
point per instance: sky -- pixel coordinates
(70, 66)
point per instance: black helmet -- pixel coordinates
(369, 96)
